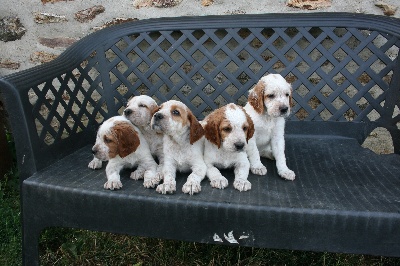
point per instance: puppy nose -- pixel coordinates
(158, 116)
(94, 151)
(283, 109)
(127, 112)
(239, 146)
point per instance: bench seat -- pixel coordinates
(336, 202)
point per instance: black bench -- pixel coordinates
(345, 73)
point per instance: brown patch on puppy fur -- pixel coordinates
(212, 128)
(224, 124)
(196, 130)
(256, 97)
(217, 121)
(182, 118)
(186, 117)
(251, 129)
(123, 140)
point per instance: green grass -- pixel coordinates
(59, 246)
(10, 225)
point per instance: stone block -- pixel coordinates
(89, 13)
(11, 29)
(56, 42)
(309, 4)
(44, 18)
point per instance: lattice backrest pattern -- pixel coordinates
(337, 74)
(70, 103)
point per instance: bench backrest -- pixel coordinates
(343, 68)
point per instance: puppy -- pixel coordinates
(268, 105)
(227, 131)
(182, 145)
(139, 111)
(123, 145)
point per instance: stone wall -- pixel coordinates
(36, 31)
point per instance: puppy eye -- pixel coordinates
(107, 140)
(287, 94)
(271, 96)
(142, 105)
(245, 128)
(227, 129)
(175, 112)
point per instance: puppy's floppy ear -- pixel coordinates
(196, 130)
(250, 130)
(256, 97)
(128, 138)
(212, 130)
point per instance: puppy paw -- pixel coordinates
(137, 174)
(287, 174)
(95, 164)
(191, 187)
(242, 185)
(113, 184)
(151, 180)
(219, 182)
(259, 170)
(168, 187)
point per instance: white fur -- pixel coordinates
(139, 111)
(146, 166)
(270, 124)
(228, 154)
(179, 154)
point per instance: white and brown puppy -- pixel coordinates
(139, 111)
(268, 105)
(120, 143)
(227, 131)
(183, 146)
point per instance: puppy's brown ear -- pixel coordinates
(128, 138)
(196, 130)
(211, 130)
(250, 130)
(256, 97)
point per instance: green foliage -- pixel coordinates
(79, 247)
(10, 222)
(11, 145)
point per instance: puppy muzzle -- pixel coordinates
(283, 110)
(156, 121)
(128, 112)
(99, 155)
(239, 146)
(158, 116)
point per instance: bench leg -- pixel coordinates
(30, 244)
